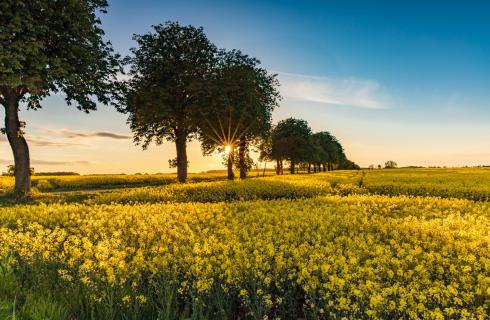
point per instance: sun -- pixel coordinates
(227, 149)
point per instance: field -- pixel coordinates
(378, 244)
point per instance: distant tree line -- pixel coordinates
(11, 172)
(292, 141)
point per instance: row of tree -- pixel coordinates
(179, 87)
(182, 87)
(292, 140)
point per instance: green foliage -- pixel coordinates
(290, 140)
(166, 91)
(241, 98)
(55, 46)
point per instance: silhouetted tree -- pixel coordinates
(390, 164)
(347, 164)
(242, 96)
(291, 141)
(265, 151)
(167, 88)
(51, 47)
(11, 171)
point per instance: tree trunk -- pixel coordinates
(292, 167)
(265, 166)
(181, 144)
(242, 163)
(19, 147)
(309, 168)
(231, 175)
(324, 168)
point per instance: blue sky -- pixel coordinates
(407, 82)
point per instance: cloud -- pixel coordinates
(48, 162)
(67, 138)
(353, 92)
(46, 142)
(58, 163)
(94, 134)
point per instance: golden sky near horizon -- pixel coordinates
(62, 138)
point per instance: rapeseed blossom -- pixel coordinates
(348, 257)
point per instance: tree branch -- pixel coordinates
(21, 91)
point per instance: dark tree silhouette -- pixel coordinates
(390, 164)
(291, 141)
(167, 88)
(242, 96)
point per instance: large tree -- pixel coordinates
(166, 89)
(242, 96)
(291, 141)
(47, 47)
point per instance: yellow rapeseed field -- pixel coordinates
(315, 247)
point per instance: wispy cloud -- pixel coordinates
(58, 163)
(48, 162)
(94, 134)
(47, 142)
(38, 141)
(65, 138)
(353, 92)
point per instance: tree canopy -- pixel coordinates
(291, 141)
(167, 86)
(242, 96)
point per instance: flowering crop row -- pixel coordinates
(472, 184)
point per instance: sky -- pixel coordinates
(402, 81)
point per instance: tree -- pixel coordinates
(290, 141)
(347, 164)
(51, 47)
(390, 164)
(11, 171)
(317, 153)
(265, 152)
(330, 149)
(242, 96)
(169, 70)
